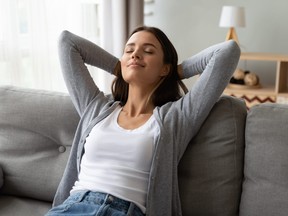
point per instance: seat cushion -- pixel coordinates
(16, 206)
(211, 170)
(265, 188)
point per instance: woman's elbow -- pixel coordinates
(234, 49)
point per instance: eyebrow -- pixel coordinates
(145, 44)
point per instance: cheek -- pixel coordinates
(122, 65)
(123, 62)
(157, 67)
(124, 69)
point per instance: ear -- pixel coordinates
(165, 70)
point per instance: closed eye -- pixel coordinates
(129, 51)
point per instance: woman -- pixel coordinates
(127, 147)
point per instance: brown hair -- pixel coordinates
(169, 88)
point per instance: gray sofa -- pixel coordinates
(236, 165)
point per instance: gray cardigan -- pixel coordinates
(216, 65)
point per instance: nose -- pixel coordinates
(136, 54)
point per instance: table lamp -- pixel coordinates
(231, 17)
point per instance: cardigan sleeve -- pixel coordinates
(74, 53)
(196, 64)
(215, 65)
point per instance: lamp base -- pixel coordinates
(231, 35)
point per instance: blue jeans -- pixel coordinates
(94, 203)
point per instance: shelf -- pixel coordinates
(269, 91)
(263, 57)
(283, 95)
(276, 93)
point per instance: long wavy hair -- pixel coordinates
(169, 88)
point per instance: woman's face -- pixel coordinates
(142, 60)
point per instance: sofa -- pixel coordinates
(237, 164)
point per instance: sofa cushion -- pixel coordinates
(211, 170)
(36, 132)
(265, 188)
(19, 206)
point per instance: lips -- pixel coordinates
(135, 63)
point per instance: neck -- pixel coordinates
(138, 103)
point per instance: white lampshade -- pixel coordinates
(232, 16)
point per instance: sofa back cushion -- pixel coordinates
(265, 187)
(211, 170)
(36, 132)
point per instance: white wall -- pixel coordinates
(192, 25)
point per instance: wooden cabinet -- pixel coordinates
(278, 92)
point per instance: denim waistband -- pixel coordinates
(108, 199)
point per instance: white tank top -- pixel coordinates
(118, 161)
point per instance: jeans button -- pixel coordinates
(110, 198)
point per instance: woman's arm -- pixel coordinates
(215, 65)
(74, 52)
